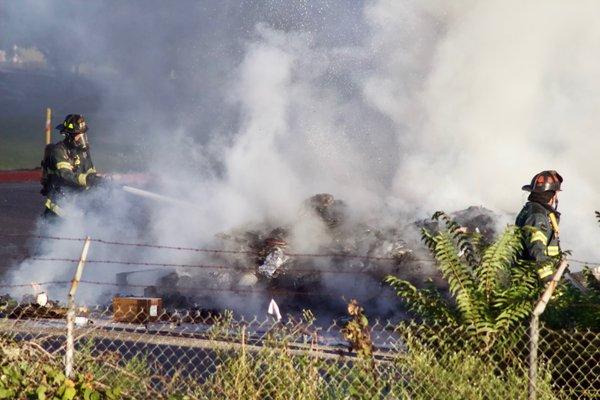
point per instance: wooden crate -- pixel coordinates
(138, 310)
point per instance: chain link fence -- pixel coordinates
(147, 351)
(203, 355)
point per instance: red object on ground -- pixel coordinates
(21, 176)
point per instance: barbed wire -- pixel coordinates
(187, 289)
(32, 284)
(269, 291)
(223, 251)
(595, 263)
(214, 251)
(200, 266)
(246, 252)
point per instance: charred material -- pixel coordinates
(475, 220)
(350, 257)
(30, 308)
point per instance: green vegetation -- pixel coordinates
(22, 141)
(573, 308)
(462, 374)
(469, 345)
(28, 372)
(276, 370)
(482, 326)
(493, 292)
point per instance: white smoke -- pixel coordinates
(510, 89)
(432, 105)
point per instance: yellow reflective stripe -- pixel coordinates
(81, 179)
(554, 223)
(64, 165)
(538, 236)
(545, 271)
(553, 250)
(54, 208)
(91, 171)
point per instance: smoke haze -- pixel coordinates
(399, 108)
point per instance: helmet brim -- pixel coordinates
(61, 128)
(529, 188)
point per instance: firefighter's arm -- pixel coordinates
(64, 170)
(91, 169)
(537, 238)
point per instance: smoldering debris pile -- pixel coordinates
(31, 307)
(347, 246)
(352, 258)
(475, 219)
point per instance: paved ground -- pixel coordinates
(20, 206)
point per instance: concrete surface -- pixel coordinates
(21, 204)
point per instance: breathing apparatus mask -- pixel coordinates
(75, 129)
(79, 140)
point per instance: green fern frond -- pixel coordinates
(493, 290)
(512, 315)
(450, 264)
(428, 239)
(499, 257)
(459, 235)
(426, 303)
(458, 275)
(523, 273)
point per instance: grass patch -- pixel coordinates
(22, 146)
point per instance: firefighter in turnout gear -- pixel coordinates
(539, 221)
(67, 167)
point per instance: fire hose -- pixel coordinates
(157, 197)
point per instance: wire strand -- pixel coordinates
(201, 266)
(214, 251)
(179, 289)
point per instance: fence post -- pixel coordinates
(534, 328)
(71, 308)
(48, 129)
(534, 331)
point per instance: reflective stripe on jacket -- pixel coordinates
(540, 236)
(65, 170)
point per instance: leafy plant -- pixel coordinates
(357, 331)
(464, 375)
(28, 372)
(575, 308)
(492, 291)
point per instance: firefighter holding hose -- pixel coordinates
(67, 167)
(539, 220)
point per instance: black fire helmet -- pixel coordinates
(544, 181)
(73, 124)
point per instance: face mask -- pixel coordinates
(80, 141)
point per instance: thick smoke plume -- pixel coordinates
(399, 108)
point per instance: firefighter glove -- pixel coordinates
(94, 180)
